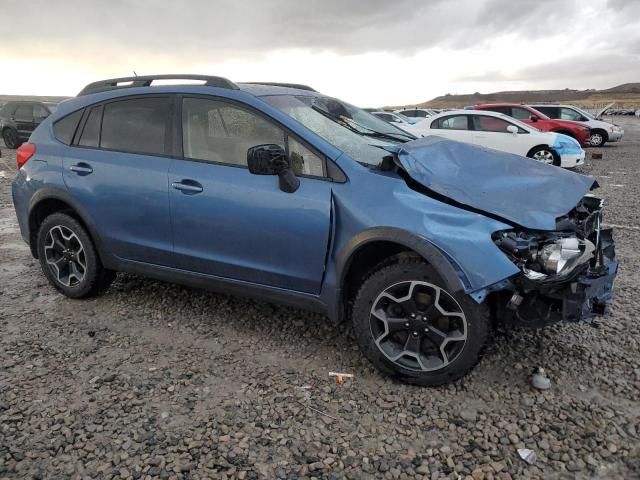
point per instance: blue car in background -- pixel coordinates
(279, 192)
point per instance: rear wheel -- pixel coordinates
(11, 138)
(411, 327)
(544, 154)
(68, 258)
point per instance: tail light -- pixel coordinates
(24, 153)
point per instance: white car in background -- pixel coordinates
(400, 121)
(501, 132)
(601, 131)
(417, 114)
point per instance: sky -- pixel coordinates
(368, 52)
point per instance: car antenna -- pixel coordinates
(134, 73)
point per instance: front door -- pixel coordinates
(230, 223)
(492, 132)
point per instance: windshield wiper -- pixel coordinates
(370, 133)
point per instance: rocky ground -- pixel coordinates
(154, 380)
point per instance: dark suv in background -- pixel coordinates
(19, 118)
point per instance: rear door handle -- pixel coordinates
(81, 168)
(187, 186)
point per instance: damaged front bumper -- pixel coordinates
(536, 300)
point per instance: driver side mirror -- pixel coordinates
(534, 118)
(512, 129)
(271, 159)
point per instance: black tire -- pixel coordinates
(11, 138)
(95, 278)
(597, 138)
(543, 150)
(396, 273)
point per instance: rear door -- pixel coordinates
(117, 170)
(230, 223)
(23, 118)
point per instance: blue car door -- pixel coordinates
(230, 223)
(117, 171)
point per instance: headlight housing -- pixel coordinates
(542, 255)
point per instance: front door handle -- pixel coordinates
(81, 168)
(187, 186)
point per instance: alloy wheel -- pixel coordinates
(10, 138)
(65, 255)
(418, 326)
(544, 156)
(596, 139)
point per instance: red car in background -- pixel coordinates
(540, 121)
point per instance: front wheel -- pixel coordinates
(68, 258)
(545, 155)
(596, 139)
(411, 327)
(11, 138)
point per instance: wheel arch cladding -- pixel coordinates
(45, 203)
(373, 246)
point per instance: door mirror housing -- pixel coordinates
(512, 129)
(271, 159)
(534, 118)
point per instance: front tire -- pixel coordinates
(545, 154)
(411, 327)
(11, 138)
(597, 138)
(69, 259)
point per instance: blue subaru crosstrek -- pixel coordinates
(279, 192)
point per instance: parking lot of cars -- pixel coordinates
(156, 380)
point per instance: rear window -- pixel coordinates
(90, 136)
(65, 128)
(137, 125)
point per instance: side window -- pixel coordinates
(24, 113)
(303, 160)
(569, 114)
(551, 112)
(90, 136)
(505, 110)
(455, 122)
(520, 113)
(483, 123)
(220, 132)
(137, 125)
(39, 112)
(64, 128)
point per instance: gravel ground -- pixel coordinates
(154, 380)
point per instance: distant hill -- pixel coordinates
(626, 95)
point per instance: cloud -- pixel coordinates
(235, 27)
(368, 51)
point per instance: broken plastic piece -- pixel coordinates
(341, 376)
(527, 455)
(540, 381)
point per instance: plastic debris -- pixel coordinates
(527, 455)
(341, 376)
(540, 381)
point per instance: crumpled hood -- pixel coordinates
(518, 189)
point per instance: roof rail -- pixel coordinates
(147, 80)
(299, 86)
